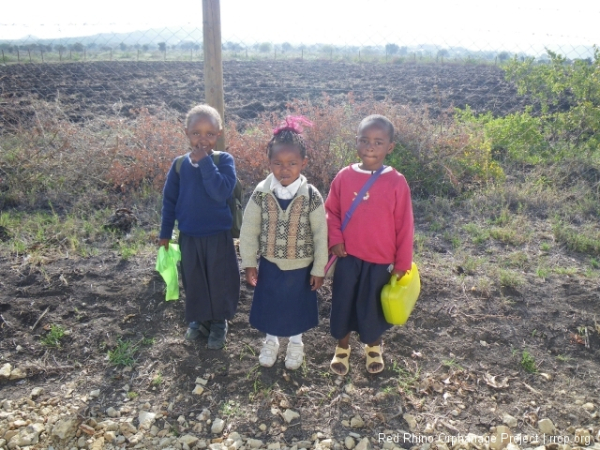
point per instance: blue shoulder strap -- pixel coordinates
(360, 195)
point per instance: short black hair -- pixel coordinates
(378, 119)
(203, 110)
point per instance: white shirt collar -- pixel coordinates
(285, 192)
(192, 163)
(356, 168)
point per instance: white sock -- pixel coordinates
(272, 338)
(297, 339)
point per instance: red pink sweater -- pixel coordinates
(381, 228)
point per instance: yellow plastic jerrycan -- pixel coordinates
(398, 297)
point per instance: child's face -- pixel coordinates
(286, 163)
(372, 145)
(203, 132)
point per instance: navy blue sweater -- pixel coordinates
(197, 197)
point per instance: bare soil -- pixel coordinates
(456, 365)
(87, 90)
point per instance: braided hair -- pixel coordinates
(290, 132)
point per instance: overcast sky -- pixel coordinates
(471, 23)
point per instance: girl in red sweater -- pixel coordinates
(377, 240)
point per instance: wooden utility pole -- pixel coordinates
(213, 63)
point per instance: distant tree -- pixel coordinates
(369, 50)
(391, 49)
(265, 47)
(162, 46)
(503, 56)
(145, 47)
(186, 45)
(60, 48)
(123, 46)
(443, 53)
(286, 46)
(77, 47)
(327, 49)
(196, 47)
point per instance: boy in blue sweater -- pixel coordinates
(195, 194)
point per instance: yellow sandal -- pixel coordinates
(341, 356)
(377, 359)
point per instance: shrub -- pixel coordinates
(144, 149)
(47, 158)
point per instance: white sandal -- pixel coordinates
(294, 356)
(268, 353)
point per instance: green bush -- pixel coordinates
(569, 96)
(566, 122)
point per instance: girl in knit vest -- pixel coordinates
(377, 240)
(195, 194)
(284, 225)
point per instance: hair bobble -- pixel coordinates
(294, 124)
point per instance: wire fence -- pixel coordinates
(120, 74)
(185, 44)
(94, 72)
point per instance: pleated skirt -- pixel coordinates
(283, 303)
(210, 275)
(356, 299)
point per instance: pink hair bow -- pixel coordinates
(293, 123)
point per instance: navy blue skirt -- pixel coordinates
(283, 303)
(356, 299)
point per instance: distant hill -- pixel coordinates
(171, 36)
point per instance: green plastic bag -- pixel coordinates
(166, 265)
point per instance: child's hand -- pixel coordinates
(339, 250)
(399, 273)
(251, 276)
(197, 154)
(316, 282)
(164, 243)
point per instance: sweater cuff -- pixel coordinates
(317, 273)
(249, 262)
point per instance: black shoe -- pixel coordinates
(192, 334)
(218, 334)
(204, 328)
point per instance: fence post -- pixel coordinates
(3, 59)
(29, 52)
(18, 56)
(42, 53)
(213, 62)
